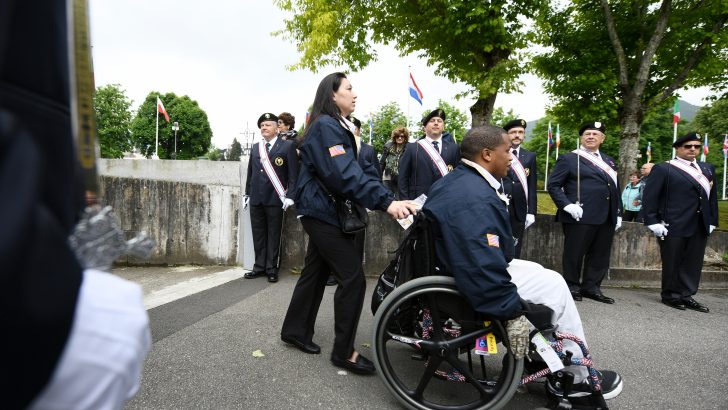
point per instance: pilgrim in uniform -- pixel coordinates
(680, 205)
(428, 159)
(272, 170)
(520, 183)
(583, 185)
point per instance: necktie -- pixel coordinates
(692, 164)
(515, 153)
(436, 145)
(267, 146)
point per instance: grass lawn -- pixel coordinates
(546, 206)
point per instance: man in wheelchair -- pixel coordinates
(474, 244)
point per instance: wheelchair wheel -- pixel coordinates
(424, 336)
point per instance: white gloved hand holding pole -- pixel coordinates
(574, 210)
(658, 229)
(619, 223)
(286, 203)
(246, 201)
(530, 219)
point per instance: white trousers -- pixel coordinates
(537, 284)
(100, 367)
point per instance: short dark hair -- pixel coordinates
(480, 138)
(634, 173)
(400, 131)
(288, 119)
(323, 102)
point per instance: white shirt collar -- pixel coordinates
(596, 153)
(484, 173)
(686, 162)
(518, 150)
(272, 141)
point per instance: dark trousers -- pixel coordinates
(266, 223)
(682, 263)
(329, 250)
(518, 228)
(587, 249)
(630, 216)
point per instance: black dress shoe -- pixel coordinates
(362, 365)
(253, 275)
(576, 295)
(598, 297)
(331, 281)
(691, 304)
(674, 303)
(273, 278)
(310, 347)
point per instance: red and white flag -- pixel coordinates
(161, 110)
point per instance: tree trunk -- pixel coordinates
(630, 123)
(482, 110)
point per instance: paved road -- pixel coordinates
(207, 322)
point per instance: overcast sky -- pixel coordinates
(221, 53)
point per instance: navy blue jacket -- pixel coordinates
(519, 205)
(329, 151)
(284, 160)
(679, 200)
(601, 198)
(467, 211)
(368, 157)
(417, 172)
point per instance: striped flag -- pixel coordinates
(725, 146)
(648, 152)
(414, 90)
(550, 139)
(161, 110)
(558, 136)
(705, 147)
(676, 113)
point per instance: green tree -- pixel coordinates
(213, 154)
(193, 138)
(713, 120)
(385, 119)
(235, 151)
(615, 61)
(457, 122)
(481, 44)
(500, 117)
(113, 119)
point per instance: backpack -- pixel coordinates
(415, 257)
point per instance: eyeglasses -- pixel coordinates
(688, 146)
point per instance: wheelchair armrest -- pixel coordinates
(540, 316)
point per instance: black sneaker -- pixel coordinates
(611, 386)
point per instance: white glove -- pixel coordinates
(286, 203)
(658, 229)
(246, 200)
(530, 219)
(619, 223)
(710, 229)
(574, 210)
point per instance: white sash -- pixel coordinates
(265, 161)
(695, 173)
(599, 162)
(434, 156)
(517, 168)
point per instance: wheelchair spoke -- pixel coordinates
(469, 377)
(427, 375)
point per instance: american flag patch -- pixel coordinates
(493, 240)
(336, 150)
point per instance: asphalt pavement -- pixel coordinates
(217, 346)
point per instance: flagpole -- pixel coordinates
(156, 138)
(409, 72)
(725, 157)
(548, 151)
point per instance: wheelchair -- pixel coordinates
(424, 349)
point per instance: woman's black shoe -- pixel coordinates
(362, 365)
(310, 348)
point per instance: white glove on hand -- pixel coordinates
(530, 219)
(658, 229)
(710, 229)
(619, 223)
(246, 200)
(574, 210)
(286, 203)
(518, 330)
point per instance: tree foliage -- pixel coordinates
(385, 119)
(501, 117)
(713, 120)
(113, 119)
(617, 61)
(480, 44)
(193, 138)
(235, 151)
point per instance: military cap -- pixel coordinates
(356, 122)
(438, 112)
(596, 125)
(515, 123)
(267, 117)
(693, 136)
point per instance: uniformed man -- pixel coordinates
(680, 205)
(520, 183)
(583, 185)
(474, 243)
(272, 170)
(428, 159)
